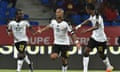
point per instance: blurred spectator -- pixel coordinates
(70, 8)
(53, 4)
(91, 1)
(75, 19)
(80, 6)
(59, 4)
(99, 3)
(47, 3)
(13, 2)
(110, 13)
(118, 5)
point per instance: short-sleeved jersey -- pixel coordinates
(61, 32)
(19, 30)
(98, 34)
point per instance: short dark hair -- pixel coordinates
(90, 6)
(18, 11)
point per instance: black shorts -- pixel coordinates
(21, 46)
(101, 46)
(63, 49)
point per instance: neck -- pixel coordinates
(59, 19)
(93, 13)
(18, 20)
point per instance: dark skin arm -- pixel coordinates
(76, 41)
(43, 29)
(83, 23)
(8, 31)
(31, 30)
(92, 28)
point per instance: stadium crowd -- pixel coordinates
(7, 12)
(74, 10)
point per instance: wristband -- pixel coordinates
(78, 26)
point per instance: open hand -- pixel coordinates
(38, 31)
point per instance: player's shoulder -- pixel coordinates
(53, 19)
(12, 22)
(100, 17)
(67, 21)
(24, 21)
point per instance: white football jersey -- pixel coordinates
(98, 34)
(61, 32)
(19, 30)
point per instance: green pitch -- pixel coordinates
(54, 71)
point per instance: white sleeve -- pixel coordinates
(90, 18)
(99, 20)
(69, 27)
(9, 25)
(27, 23)
(51, 24)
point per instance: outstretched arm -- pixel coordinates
(32, 30)
(43, 29)
(83, 23)
(92, 28)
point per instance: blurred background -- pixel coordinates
(40, 11)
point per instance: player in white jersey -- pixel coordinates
(61, 38)
(98, 38)
(18, 28)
